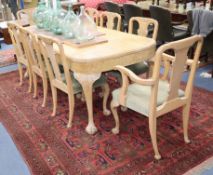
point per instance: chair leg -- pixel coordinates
(30, 80)
(106, 91)
(45, 89)
(114, 106)
(152, 130)
(20, 69)
(35, 85)
(71, 109)
(54, 96)
(186, 110)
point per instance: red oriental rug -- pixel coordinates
(50, 148)
(7, 57)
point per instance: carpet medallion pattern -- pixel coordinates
(50, 148)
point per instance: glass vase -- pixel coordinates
(38, 15)
(58, 17)
(87, 27)
(70, 22)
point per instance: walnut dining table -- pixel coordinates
(90, 61)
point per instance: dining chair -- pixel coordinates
(36, 61)
(26, 16)
(131, 10)
(21, 52)
(64, 80)
(94, 14)
(111, 20)
(112, 7)
(144, 25)
(154, 97)
(167, 32)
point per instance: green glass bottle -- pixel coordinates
(58, 17)
(38, 15)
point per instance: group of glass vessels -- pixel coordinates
(61, 22)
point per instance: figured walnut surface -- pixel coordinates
(121, 49)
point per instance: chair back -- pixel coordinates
(26, 16)
(179, 60)
(94, 14)
(17, 40)
(163, 16)
(50, 48)
(112, 7)
(35, 55)
(144, 25)
(110, 20)
(131, 10)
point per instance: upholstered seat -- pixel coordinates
(158, 95)
(138, 96)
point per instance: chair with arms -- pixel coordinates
(112, 20)
(21, 52)
(36, 61)
(65, 80)
(166, 31)
(155, 97)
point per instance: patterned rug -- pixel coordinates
(49, 148)
(7, 57)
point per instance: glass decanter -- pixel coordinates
(87, 28)
(58, 17)
(48, 16)
(70, 22)
(38, 15)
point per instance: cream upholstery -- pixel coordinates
(138, 96)
(153, 97)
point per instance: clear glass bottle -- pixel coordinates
(87, 27)
(70, 22)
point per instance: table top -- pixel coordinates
(121, 49)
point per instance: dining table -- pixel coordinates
(89, 61)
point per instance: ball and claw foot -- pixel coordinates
(107, 112)
(157, 156)
(91, 129)
(115, 130)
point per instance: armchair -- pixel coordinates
(154, 97)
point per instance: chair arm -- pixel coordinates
(133, 77)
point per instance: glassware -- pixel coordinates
(58, 16)
(38, 15)
(70, 22)
(48, 16)
(87, 27)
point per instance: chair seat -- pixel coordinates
(77, 86)
(179, 33)
(138, 96)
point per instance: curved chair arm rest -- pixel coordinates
(133, 77)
